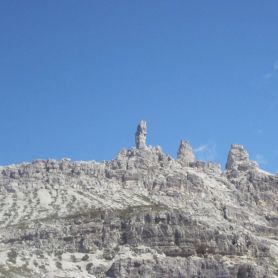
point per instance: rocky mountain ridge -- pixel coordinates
(143, 214)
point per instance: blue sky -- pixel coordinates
(77, 76)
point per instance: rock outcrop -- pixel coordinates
(238, 159)
(141, 135)
(142, 214)
(185, 153)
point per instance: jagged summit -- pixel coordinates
(142, 214)
(185, 152)
(238, 159)
(237, 155)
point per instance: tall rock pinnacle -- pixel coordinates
(185, 152)
(140, 135)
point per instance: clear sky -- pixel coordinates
(77, 76)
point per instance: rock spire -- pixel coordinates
(141, 135)
(185, 152)
(238, 158)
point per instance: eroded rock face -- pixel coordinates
(238, 159)
(142, 214)
(185, 153)
(141, 135)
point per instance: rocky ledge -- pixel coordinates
(143, 214)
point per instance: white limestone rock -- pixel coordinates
(238, 159)
(214, 167)
(142, 214)
(185, 153)
(141, 135)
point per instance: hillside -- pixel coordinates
(143, 214)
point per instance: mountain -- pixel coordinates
(143, 214)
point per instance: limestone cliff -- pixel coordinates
(143, 214)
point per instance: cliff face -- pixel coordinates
(142, 214)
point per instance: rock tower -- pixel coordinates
(141, 135)
(238, 159)
(185, 152)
